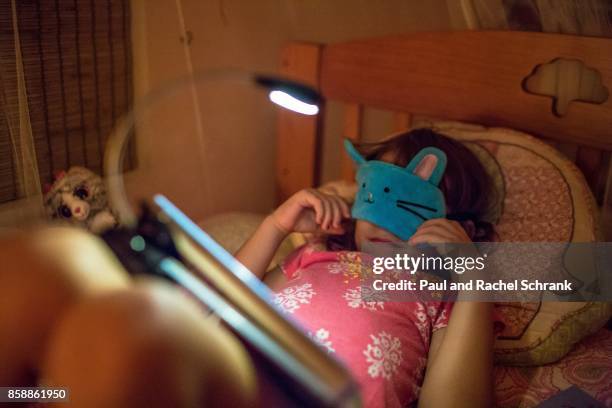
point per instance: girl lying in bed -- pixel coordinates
(399, 352)
(76, 321)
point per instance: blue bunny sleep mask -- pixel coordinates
(399, 199)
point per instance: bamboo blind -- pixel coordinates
(78, 73)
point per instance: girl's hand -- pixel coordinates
(310, 210)
(440, 231)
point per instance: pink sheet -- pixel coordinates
(588, 366)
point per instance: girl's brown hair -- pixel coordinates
(468, 189)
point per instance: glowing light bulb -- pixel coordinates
(289, 102)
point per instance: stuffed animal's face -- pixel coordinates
(399, 199)
(76, 196)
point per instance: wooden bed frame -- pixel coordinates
(471, 76)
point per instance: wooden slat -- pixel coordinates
(353, 116)
(594, 165)
(297, 162)
(7, 182)
(589, 160)
(470, 76)
(602, 180)
(401, 121)
(568, 149)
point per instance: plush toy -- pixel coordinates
(79, 198)
(399, 199)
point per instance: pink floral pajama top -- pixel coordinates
(384, 344)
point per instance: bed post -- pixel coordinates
(353, 117)
(298, 136)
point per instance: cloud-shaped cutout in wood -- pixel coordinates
(566, 80)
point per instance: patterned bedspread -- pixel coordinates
(588, 366)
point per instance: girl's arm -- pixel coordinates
(460, 363)
(258, 250)
(308, 210)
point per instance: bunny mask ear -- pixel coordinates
(353, 153)
(428, 164)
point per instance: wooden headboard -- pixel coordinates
(471, 76)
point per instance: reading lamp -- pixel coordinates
(289, 94)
